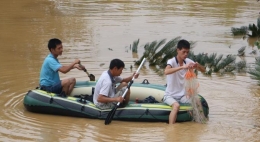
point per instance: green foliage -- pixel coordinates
(241, 66)
(226, 63)
(252, 30)
(215, 63)
(160, 57)
(255, 29)
(135, 45)
(257, 44)
(243, 30)
(255, 72)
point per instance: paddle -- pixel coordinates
(112, 112)
(91, 76)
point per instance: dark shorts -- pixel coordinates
(56, 88)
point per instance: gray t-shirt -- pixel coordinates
(106, 85)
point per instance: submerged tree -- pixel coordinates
(243, 30)
(252, 30)
(135, 45)
(255, 72)
(255, 29)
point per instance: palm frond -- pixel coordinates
(243, 30)
(154, 59)
(230, 68)
(241, 66)
(167, 47)
(225, 62)
(135, 46)
(254, 30)
(210, 61)
(255, 73)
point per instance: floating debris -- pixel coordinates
(208, 72)
(102, 64)
(253, 52)
(222, 71)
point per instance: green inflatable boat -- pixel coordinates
(40, 101)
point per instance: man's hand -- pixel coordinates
(195, 65)
(135, 75)
(190, 66)
(77, 61)
(79, 67)
(119, 99)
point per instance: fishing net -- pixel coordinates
(191, 87)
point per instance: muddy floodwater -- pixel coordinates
(96, 31)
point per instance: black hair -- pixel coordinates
(116, 63)
(183, 44)
(53, 43)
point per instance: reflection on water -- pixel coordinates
(90, 29)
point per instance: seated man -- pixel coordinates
(106, 94)
(175, 71)
(49, 76)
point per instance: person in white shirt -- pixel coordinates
(175, 72)
(106, 94)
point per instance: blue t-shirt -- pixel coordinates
(49, 72)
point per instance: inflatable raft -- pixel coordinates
(40, 101)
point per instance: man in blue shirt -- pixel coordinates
(49, 76)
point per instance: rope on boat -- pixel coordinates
(147, 112)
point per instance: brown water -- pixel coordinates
(88, 28)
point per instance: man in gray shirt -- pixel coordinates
(106, 93)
